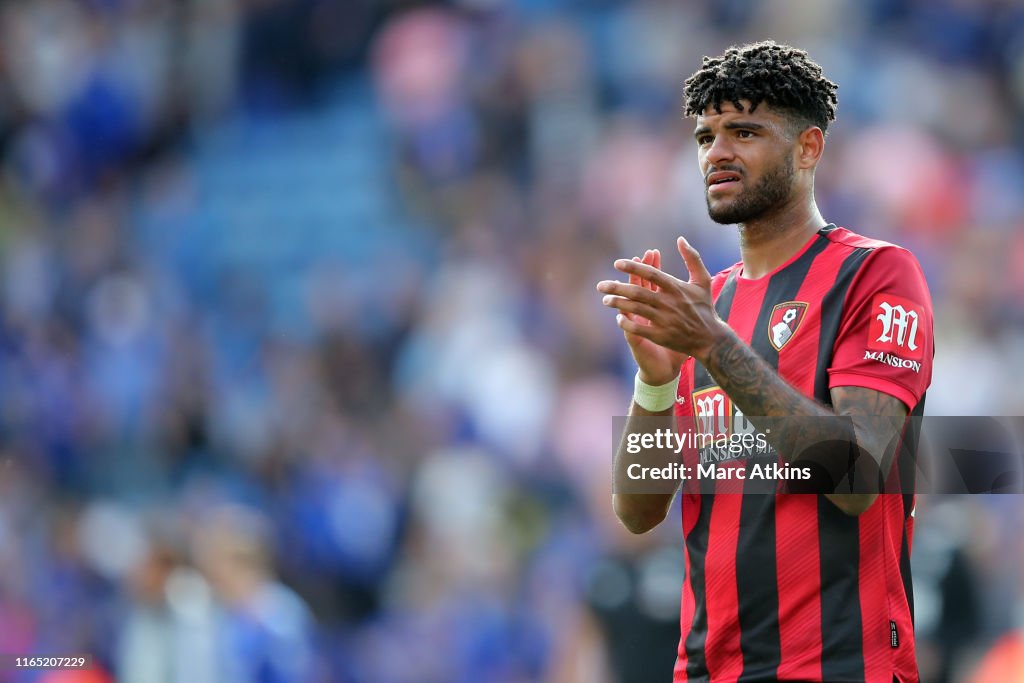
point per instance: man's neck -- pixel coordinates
(768, 242)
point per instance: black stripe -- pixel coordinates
(842, 646)
(831, 315)
(907, 465)
(697, 548)
(908, 584)
(907, 457)
(723, 304)
(756, 569)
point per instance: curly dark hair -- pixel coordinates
(784, 77)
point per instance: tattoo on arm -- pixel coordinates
(753, 385)
(855, 439)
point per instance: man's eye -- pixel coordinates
(704, 139)
(744, 134)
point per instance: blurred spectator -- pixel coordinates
(261, 629)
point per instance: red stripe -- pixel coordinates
(722, 649)
(797, 549)
(684, 422)
(874, 599)
(799, 581)
(902, 659)
(745, 305)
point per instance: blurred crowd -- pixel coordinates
(302, 372)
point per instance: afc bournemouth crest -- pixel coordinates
(785, 320)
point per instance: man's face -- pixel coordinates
(746, 160)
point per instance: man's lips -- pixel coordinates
(722, 180)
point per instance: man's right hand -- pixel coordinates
(657, 364)
(641, 512)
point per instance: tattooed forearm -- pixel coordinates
(754, 386)
(850, 444)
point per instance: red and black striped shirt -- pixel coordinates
(787, 587)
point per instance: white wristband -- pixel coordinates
(655, 399)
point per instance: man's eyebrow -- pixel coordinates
(746, 125)
(731, 125)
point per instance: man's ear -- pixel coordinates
(810, 145)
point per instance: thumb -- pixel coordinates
(698, 272)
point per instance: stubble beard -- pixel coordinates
(771, 192)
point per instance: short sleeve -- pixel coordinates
(886, 337)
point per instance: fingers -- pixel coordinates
(633, 327)
(632, 292)
(646, 271)
(628, 306)
(635, 279)
(639, 319)
(649, 258)
(698, 272)
(656, 262)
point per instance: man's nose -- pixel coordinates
(720, 150)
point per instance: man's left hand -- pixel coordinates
(682, 314)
